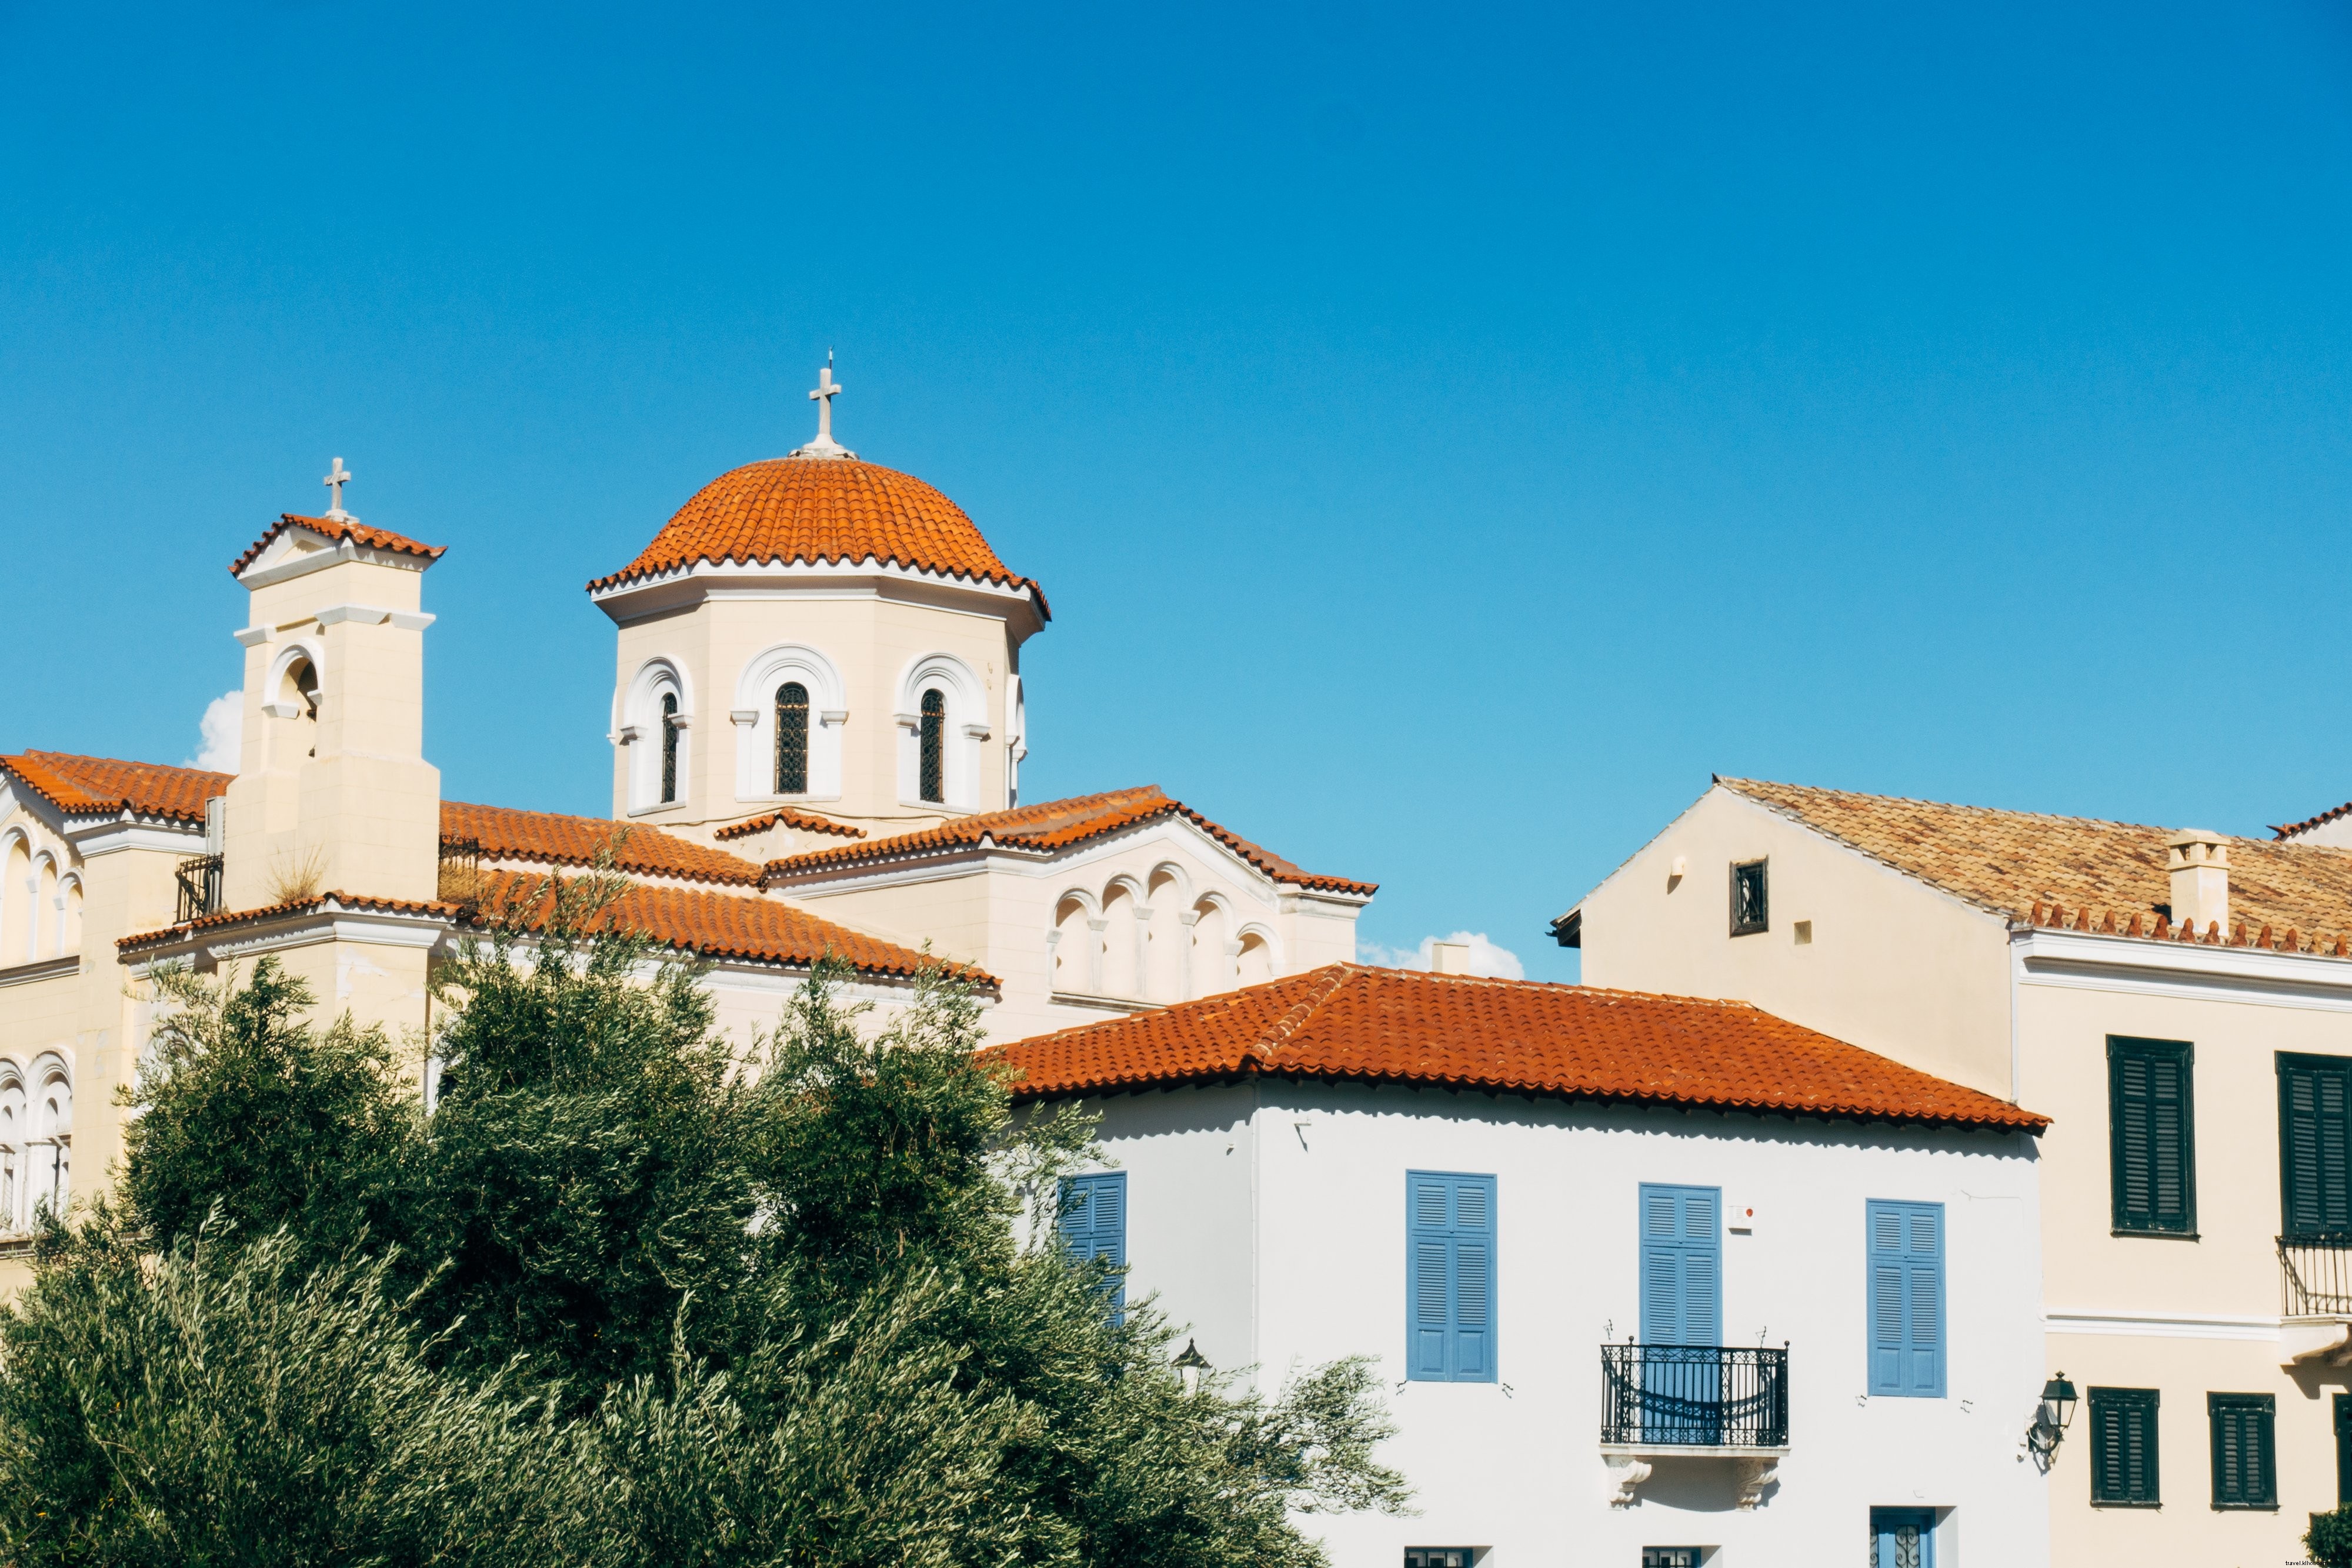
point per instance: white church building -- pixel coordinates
(1655, 1281)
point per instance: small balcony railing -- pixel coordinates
(200, 887)
(2315, 1275)
(1695, 1397)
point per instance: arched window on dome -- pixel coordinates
(935, 745)
(669, 747)
(792, 738)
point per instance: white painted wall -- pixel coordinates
(1273, 1215)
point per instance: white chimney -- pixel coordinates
(2198, 862)
(1450, 957)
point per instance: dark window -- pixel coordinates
(2123, 1448)
(2315, 1135)
(2244, 1473)
(1442, 1556)
(935, 745)
(2151, 1136)
(1670, 1557)
(669, 747)
(792, 738)
(1750, 913)
(2343, 1449)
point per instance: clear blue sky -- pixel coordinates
(1446, 435)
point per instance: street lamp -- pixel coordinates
(1190, 1363)
(2051, 1419)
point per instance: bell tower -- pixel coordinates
(332, 791)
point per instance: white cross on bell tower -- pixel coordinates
(335, 482)
(828, 389)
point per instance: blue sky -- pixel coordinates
(1448, 437)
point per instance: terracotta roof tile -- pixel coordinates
(2082, 873)
(1053, 824)
(731, 925)
(338, 529)
(1351, 1022)
(2293, 829)
(555, 839)
(364, 901)
(80, 785)
(785, 817)
(834, 510)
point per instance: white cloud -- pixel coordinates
(223, 727)
(1485, 957)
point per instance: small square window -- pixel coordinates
(1670, 1557)
(1749, 912)
(1439, 1556)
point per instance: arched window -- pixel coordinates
(52, 1149)
(669, 747)
(792, 738)
(935, 745)
(12, 1156)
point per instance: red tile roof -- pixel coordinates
(79, 784)
(1053, 824)
(834, 510)
(785, 817)
(728, 925)
(338, 531)
(2078, 872)
(1349, 1022)
(2290, 829)
(555, 839)
(362, 901)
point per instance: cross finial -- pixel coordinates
(828, 389)
(335, 482)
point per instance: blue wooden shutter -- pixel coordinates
(1450, 1268)
(1094, 1222)
(1905, 1306)
(1682, 1264)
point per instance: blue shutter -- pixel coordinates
(1450, 1250)
(1905, 1263)
(1682, 1264)
(1094, 1222)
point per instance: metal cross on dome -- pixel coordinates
(335, 483)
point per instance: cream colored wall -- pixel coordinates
(1001, 915)
(364, 811)
(1893, 966)
(870, 638)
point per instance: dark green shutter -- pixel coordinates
(2246, 1468)
(2123, 1448)
(2152, 1136)
(2342, 1403)
(2314, 1146)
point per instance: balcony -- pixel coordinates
(2315, 1299)
(1694, 1402)
(200, 887)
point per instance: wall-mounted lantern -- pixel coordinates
(1191, 1365)
(2051, 1419)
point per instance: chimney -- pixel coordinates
(2198, 862)
(1449, 957)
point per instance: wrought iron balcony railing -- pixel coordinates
(1696, 1397)
(200, 887)
(2315, 1275)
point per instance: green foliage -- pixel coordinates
(2329, 1538)
(655, 1299)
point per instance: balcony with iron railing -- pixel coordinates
(1694, 1402)
(199, 878)
(2315, 1299)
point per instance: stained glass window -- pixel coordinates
(792, 738)
(935, 745)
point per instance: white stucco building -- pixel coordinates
(1530, 1202)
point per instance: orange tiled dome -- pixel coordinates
(830, 509)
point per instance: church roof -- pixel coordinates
(338, 529)
(1352, 1022)
(785, 816)
(787, 510)
(80, 785)
(1053, 824)
(2078, 873)
(555, 839)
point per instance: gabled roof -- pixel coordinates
(2081, 873)
(697, 920)
(77, 786)
(785, 817)
(338, 529)
(555, 839)
(2295, 829)
(1053, 824)
(1351, 1022)
(786, 510)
